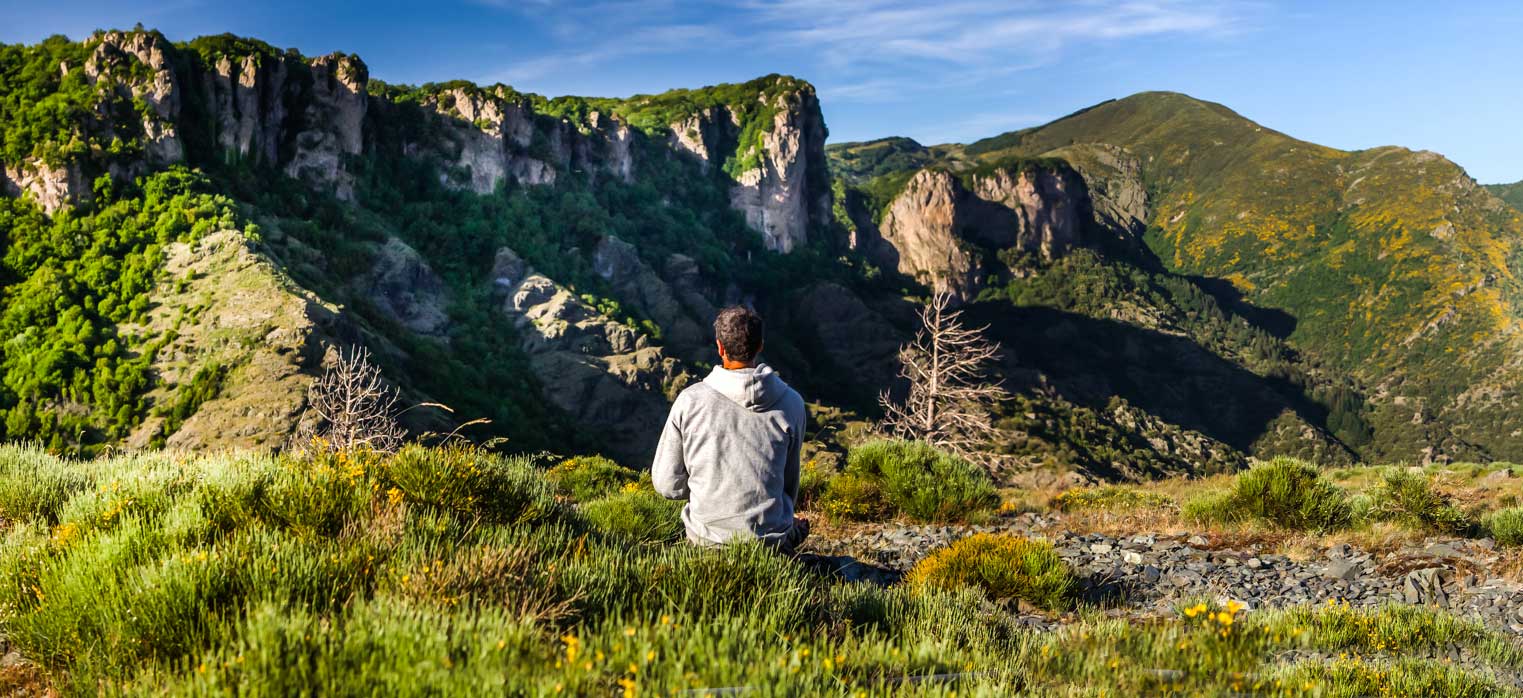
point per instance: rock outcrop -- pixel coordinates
(160, 91)
(50, 187)
(787, 192)
(489, 136)
(334, 118)
(606, 376)
(1113, 176)
(401, 285)
(637, 284)
(267, 335)
(938, 229)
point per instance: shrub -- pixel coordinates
(586, 478)
(1005, 567)
(1109, 498)
(923, 482)
(814, 480)
(853, 496)
(1410, 498)
(636, 513)
(469, 481)
(1507, 526)
(1284, 492)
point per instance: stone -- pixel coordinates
(1132, 557)
(1341, 569)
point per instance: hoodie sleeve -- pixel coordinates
(795, 449)
(668, 472)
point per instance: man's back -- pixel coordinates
(731, 447)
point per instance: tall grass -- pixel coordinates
(1283, 492)
(1411, 499)
(458, 572)
(909, 477)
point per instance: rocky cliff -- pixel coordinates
(242, 100)
(780, 181)
(942, 226)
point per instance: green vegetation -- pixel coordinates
(1109, 498)
(457, 571)
(71, 380)
(911, 478)
(42, 106)
(1004, 567)
(1283, 492)
(636, 513)
(855, 496)
(859, 163)
(203, 386)
(585, 478)
(1511, 193)
(1506, 526)
(1410, 498)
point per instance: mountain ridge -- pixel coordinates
(551, 264)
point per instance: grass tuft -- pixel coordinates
(638, 514)
(1005, 567)
(585, 478)
(1284, 492)
(1506, 526)
(1410, 499)
(915, 479)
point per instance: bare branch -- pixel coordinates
(354, 406)
(950, 400)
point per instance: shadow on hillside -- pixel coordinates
(1272, 320)
(1088, 360)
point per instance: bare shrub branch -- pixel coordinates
(950, 403)
(354, 406)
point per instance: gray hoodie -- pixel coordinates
(731, 448)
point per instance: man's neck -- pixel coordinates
(736, 365)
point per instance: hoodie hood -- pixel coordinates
(756, 389)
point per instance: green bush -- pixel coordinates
(1410, 498)
(923, 482)
(468, 481)
(1506, 526)
(852, 496)
(1005, 567)
(1283, 492)
(636, 513)
(585, 478)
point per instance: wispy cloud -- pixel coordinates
(861, 50)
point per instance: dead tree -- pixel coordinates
(951, 401)
(354, 406)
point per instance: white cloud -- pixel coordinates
(859, 50)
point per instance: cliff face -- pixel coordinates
(786, 192)
(939, 227)
(308, 117)
(486, 136)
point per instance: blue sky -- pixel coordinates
(1436, 76)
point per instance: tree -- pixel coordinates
(950, 401)
(354, 406)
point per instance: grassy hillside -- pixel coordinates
(1390, 266)
(459, 572)
(1510, 193)
(214, 287)
(1394, 264)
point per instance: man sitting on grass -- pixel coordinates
(731, 445)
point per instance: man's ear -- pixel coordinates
(720, 347)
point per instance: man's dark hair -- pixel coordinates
(739, 330)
